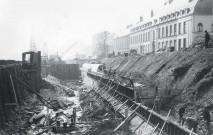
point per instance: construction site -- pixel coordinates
(99, 99)
(105, 67)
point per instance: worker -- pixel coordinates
(110, 72)
(73, 118)
(207, 38)
(130, 80)
(191, 123)
(114, 73)
(104, 68)
(157, 104)
(156, 90)
(181, 112)
(207, 119)
(113, 54)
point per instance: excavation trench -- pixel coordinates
(140, 119)
(102, 107)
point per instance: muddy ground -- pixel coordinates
(94, 117)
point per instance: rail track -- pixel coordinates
(142, 119)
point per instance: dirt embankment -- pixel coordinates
(188, 74)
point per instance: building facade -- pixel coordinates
(174, 28)
(120, 43)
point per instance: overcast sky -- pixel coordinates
(62, 22)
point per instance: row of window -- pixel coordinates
(166, 31)
(171, 30)
(143, 37)
(200, 27)
(174, 15)
(145, 49)
(177, 44)
(173, 43)
(162, 19)
(119, 44)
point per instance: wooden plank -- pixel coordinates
(117, 101)
(108, 91)
(13, 88)
(113, 98)
(122, 105)
(14, 92)
(107, 97)
(191, 131)
(138, 126)
(164, 122)
(116, 89)
(17, 88)
(150, 114)
(104, 93)
(121, 124)
(154, 129)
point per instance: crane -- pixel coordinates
(62, 55)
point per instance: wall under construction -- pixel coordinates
(17, 80)
(65, 71)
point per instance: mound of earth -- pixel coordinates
(187, 74)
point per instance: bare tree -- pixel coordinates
(103, 40)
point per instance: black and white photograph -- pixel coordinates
(106, 67)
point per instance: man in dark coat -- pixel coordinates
(191, 123)
(181, 112)
(157, 104)
(207, 38)
(207, 119)
(130, 80)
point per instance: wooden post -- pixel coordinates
(131, 107)
(116, 89)
(14, 92)
(1, 99)
(150, 114)
(122, 105)
(126, 112)
(2, 95)
(164, 122)
(113, 98)
(191, 131)
(135, 95)
(17, 88)
(154, 129)
(138, 126)
(117, 101)
(156, 90)
(121, 124)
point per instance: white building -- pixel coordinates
(181, 23)
(120, 43)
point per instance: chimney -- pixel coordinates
(141, 18)
(152, 13)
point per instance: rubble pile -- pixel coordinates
(58, 115)
(101, 117)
